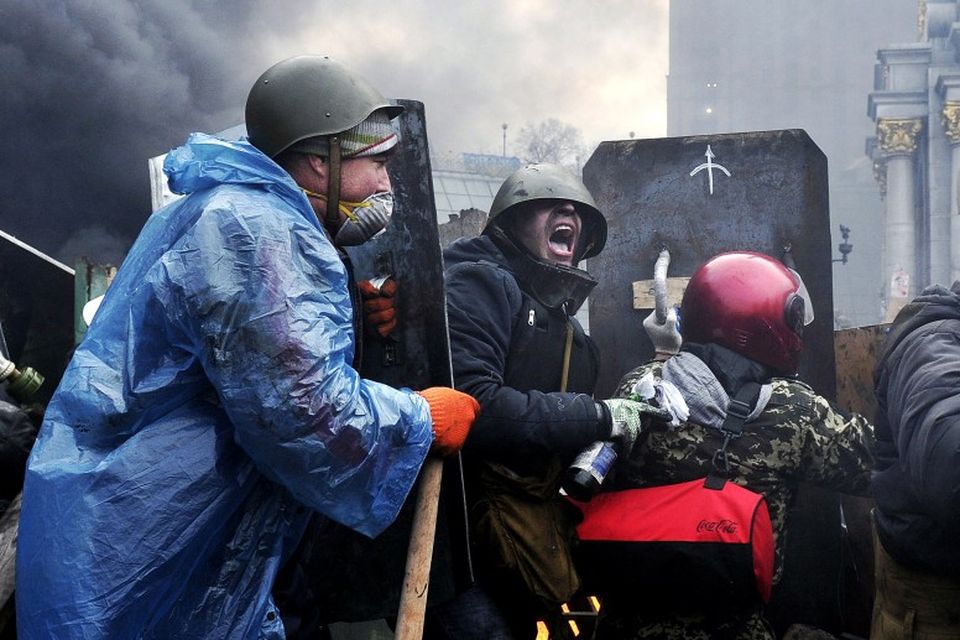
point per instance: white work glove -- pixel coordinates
(627, 421)
(665, 337)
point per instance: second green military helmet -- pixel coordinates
(550, 182)
(308, 96)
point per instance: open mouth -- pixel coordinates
(562, 240)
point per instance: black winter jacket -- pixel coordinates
(916, 481)
(507, 352)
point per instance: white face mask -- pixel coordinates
(365, 220)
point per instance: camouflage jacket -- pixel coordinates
(799, 437)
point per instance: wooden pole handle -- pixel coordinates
(416, 581)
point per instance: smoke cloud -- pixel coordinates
(93, 88)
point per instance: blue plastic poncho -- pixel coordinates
(210, 403)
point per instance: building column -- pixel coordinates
(897, 140)
(951, 127)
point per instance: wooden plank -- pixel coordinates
(857, 350)
(643, 292)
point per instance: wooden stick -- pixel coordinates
(416, 581)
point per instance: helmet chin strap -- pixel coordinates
(333, 186)
(554, 285)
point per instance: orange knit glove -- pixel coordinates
(379, 306)
(453, 413)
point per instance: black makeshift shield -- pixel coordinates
(351, 578)
(699, 196)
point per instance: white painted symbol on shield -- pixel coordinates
(709, 165)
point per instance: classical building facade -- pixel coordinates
(915, 106)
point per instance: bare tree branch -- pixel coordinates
(552, 141)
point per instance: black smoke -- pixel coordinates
(93, 88)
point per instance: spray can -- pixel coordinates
(588, 471)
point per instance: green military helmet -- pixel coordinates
(308, 96)
(550, 182)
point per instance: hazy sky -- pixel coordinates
(92, 88)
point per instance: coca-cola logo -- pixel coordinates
(717, 526)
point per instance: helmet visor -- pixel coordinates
(803, 294)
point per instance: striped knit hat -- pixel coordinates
(372, 137)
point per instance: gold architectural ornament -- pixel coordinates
(898, 135)
(880, 175)
(951, 121)
(921, 19)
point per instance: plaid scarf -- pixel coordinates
(706, 398)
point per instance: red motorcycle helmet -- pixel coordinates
(750, 303)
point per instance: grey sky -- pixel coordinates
(599, 66)
(95, 87)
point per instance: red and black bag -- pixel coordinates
(700, 545)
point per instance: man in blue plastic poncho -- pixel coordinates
(213, 403)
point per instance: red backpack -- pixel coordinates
(698, 545)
